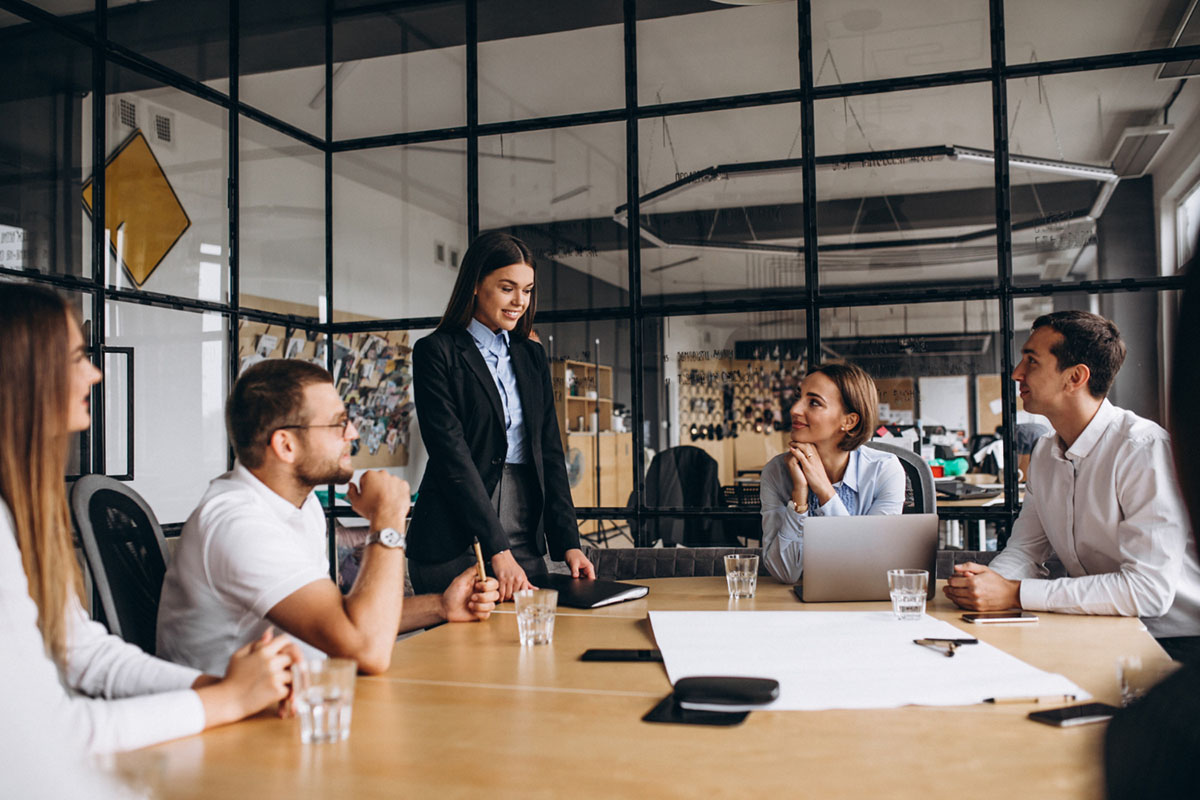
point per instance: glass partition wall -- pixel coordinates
(718, 195)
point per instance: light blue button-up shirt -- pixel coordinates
(873, 484)
(494, 347)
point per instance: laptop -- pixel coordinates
(586, 593)
(847, 558)
(961, 490)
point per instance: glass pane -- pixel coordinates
(1039, 31)
(690, 50)
(190, 38)
(181, 376)
(937, 368)
(166, 190)
(398, 68)
(47, 148)
(866, 42)
(590, 373)
(282, 61)
(906, 189)
(1105, 148)
(373, 375)
(399, 228)
(724, 383)
(281, 197)
(713, 227)
(557, 190)
(566, 58)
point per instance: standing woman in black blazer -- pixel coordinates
(496, 469)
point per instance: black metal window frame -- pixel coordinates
(106, 53)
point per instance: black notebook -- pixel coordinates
(585, 593)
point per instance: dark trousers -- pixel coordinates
(515, 500)
(1182, 648)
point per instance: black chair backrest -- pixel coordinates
(126, 554)
(684, 477)
(919, 476)
(630, 563)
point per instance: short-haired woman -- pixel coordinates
(826, 472)
(485, 405)
(94, 692)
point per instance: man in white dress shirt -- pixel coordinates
(1101, 495)
(255, 551)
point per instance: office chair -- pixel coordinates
(632, 563)
(920, 496)
(126, 554)
(684, 477)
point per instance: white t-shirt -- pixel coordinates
(111, 696)
(242, 551)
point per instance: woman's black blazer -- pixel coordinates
(462, 424)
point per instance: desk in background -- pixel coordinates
(465, 711)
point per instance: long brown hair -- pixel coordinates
(488, 253)
(34, 397)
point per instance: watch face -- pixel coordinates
(390, 537)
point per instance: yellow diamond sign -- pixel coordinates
(141, 210)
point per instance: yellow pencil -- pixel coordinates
(479, 562)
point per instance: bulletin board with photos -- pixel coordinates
(372, 373)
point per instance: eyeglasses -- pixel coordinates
(343, 425)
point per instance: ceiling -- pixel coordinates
(402, 68)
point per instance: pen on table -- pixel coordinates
(1054, 698)
(945, 646)
(479, 561)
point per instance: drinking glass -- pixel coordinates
(535, 615)
(1136, 677)
(908, 588)
(324, 698)
(741, 575)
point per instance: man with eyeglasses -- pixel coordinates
(254, 553)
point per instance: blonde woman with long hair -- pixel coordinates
(94, 692)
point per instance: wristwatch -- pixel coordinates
(389, 538)
(791, 504)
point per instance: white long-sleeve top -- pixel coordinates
(872, 484)
(110, 696)
(1109, 507)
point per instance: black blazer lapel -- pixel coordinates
(470, 353)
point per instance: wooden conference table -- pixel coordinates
(466, 712)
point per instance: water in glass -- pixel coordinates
(908, 605)
(324, 713)
(741, 584)
(535, 625)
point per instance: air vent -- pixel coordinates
(162, 127)
(126, 114)
(1188, 33)
(1137, 148)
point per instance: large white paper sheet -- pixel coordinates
(846, 659)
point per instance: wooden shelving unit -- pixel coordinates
(590, 392)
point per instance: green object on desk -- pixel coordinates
(951, 467)
(323, 496)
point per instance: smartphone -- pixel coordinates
(991, 617)
(621, 655)
(1070, 716)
